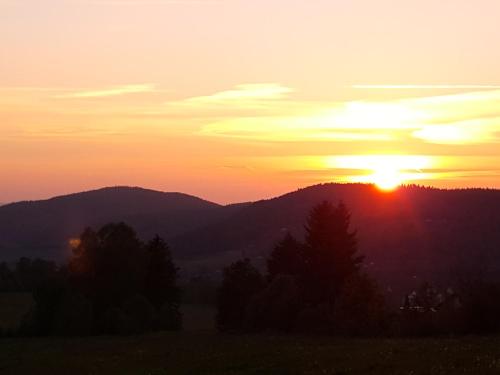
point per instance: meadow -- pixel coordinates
(207, 352)
(13, 306)
(199, 349)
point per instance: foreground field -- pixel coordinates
(12, 308)
(211, 353)
(200, 350)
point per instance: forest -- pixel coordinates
(116, 284)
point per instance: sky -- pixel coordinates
(237, 100)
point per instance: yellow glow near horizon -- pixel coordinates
(387, 179)
(245, 133)
(250, 102)
(387, 172)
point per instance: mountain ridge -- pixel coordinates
(419, 231)
(40, 228)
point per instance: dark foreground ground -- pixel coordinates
(206, 352)
(200, 350)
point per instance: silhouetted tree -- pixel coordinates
(276, 307)
(73, 316)
(108, 266)
(29, 274)
(48, 296)
(241, 281)
(161, 275)
(140, 314)
(360, 307)
(330, 252)
(160, 285)
(481, 307)
(8, 281)
(113, 284)
(286, 258)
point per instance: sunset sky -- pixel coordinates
(235, 100)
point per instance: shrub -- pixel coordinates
(140, 313)
(241, 281)
(360, 308)
(73, 316)
(169, 318)
(276, 307)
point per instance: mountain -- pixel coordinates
(408, 236)
(43, 228)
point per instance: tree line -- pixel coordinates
(314, 286)
(25, 275)
(319, 286)
(114, 283)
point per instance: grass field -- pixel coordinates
(206, 352)
(200, 350)
(13, 306)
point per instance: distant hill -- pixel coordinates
(43, 228)
(409, 235)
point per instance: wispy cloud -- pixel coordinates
(460, 133)
(269, 112)
(112, 91)
(241, 101)
(243, 94)
(468, 118)
(424, 87)
(153, 2)
(284, 130)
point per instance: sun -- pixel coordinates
(387, 179)
(387, 172)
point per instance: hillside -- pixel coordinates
(409, 235)
(43, 228)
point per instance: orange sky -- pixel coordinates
(237, 100)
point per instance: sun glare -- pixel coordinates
(387, 172)
(387, 179)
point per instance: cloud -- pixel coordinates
(424, 87)
(67, 132)
(288, 130)
(243, 94)
(153, 2)
(269, 112)
(459, 119)
(465, 132)
(112, 91)
(241, 101)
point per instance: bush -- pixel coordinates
(41, 320)
(140, 313)
(115, 322)
(241, 281)
(481, 307)
(73, 316)
(276, 307)
(169, 318)
(315, 319)
(360, 308)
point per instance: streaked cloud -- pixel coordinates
(424, 87)
(112, 91)
(466, 132)
(270, 130)
(153, 2)
(465, 118)
(243, 94)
